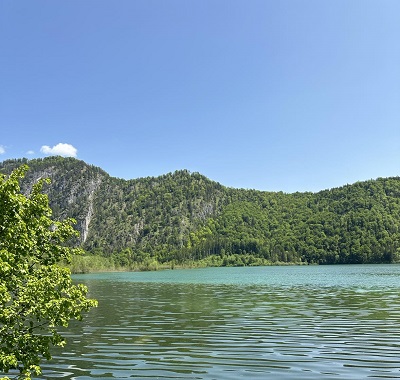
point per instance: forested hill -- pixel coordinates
(184, 216)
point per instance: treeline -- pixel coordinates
(354, 224)
(184, 218)
(357, 223)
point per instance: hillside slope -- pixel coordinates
(184, 216)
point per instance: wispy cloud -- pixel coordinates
(30, 152)
(61, 149)
(2, 149)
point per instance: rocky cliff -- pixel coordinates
(185, 216)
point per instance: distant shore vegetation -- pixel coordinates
(185, 219)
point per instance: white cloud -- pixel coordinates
(2, 149)
(65, 150)
(30, 152)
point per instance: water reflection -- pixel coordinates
(170, 330)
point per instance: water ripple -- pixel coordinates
(173, 330)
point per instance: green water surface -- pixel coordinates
(295, 322)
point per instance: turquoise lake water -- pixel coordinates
(294, 322)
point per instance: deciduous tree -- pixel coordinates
(36, 293)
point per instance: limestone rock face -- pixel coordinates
(113, 214)
(184, 216)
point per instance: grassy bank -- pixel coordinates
(94, 264)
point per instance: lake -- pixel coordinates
(292, 322)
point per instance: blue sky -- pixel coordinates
(288, 95)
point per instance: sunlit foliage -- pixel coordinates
(36, 294)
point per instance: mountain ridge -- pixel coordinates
(7, 165)
(183, 216)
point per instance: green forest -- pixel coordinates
(186, 219)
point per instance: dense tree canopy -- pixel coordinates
(36, 294)
(184, 217)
